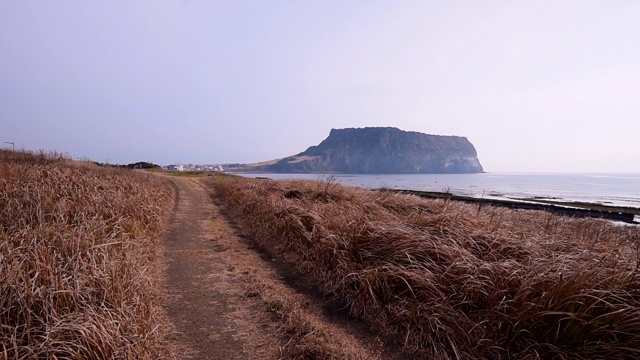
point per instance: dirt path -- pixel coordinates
(229, 300)
(206, 299)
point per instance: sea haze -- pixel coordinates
(601, 188)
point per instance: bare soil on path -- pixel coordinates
(223, 295)
(205, 295)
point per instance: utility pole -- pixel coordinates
(13, 146)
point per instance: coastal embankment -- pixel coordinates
(571, 209)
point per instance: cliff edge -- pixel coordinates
(380, 150)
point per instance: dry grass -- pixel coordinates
(76, 252)
(302, 331)
(453, 280)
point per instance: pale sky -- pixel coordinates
(536, 86)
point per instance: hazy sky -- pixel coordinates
(535, 85)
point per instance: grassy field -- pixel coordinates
(77, 249)
(451, 280)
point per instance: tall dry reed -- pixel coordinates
(76, 250)
(453, 280)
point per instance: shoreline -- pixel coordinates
(574, 209)
(557, 193)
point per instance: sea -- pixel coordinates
(598, 188)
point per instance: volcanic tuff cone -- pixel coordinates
(380, 150)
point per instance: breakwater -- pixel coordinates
(585, 210)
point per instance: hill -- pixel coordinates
(379, 150)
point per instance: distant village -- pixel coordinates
(192, 167)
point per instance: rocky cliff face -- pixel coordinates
(381, 151)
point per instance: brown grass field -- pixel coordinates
(77, 248)
(450, 280)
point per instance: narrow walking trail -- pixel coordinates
(205, 295)
(228, 300)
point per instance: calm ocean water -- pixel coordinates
(607, 189)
